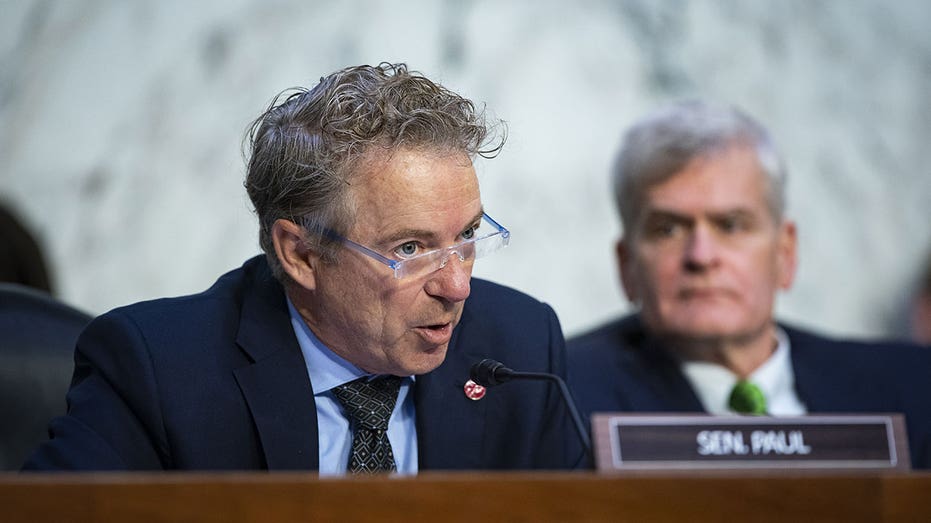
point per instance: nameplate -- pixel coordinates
(691, 442)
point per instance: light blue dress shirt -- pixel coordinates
(327, 370)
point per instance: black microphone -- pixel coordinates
(489, 373)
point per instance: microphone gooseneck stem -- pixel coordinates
(505, 374)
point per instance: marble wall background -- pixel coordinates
(120, 129)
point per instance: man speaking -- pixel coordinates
(347, 346)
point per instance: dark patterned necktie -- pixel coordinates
(747, 398)
(369, 404)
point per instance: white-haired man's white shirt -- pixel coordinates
(713, 383)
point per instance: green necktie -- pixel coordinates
(747, 398)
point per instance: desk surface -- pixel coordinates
(583, 496)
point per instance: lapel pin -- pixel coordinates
(473, 390)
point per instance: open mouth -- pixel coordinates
(437, 334)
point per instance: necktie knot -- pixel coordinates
(747, 398)
(369, 402)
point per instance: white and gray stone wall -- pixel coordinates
(121, 125)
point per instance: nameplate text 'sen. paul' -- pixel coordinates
(689, 441)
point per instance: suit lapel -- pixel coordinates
(806, 382)
(655, 383)
(669, 390)
(446, 418)
(276, 385)
(819, 384)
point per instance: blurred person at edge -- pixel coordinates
(22, 260)
(920, 309)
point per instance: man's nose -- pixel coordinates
(701, 249)
(452, 281)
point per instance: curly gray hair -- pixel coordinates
(305, 148)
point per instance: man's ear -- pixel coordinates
(297, 260)
(788, 254)
(625, 268)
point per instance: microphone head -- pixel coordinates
(485, 373)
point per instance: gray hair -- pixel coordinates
(305, 149)
(663, 143)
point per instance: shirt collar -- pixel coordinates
(775, 376)
(326, 369)
(713, 383)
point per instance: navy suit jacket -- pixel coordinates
(217, 380)
(619, 368)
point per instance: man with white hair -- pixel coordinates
(705, 250)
